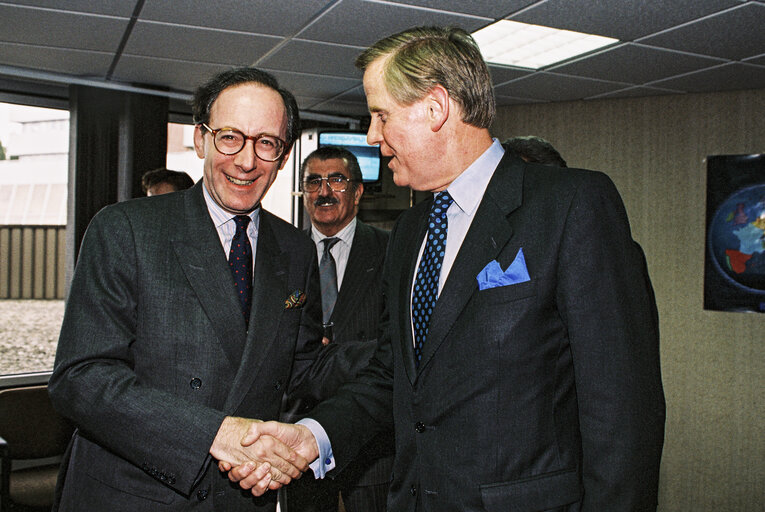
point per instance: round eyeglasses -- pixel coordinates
(335, 183)
(230, 141)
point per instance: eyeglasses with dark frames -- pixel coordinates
(230, 141)
(335, 183)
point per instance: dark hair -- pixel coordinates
(535, 149)
(207, 93)
(330, 152)
(418, 59)
(179, 180)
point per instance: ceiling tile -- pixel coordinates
(360, 23)
(313, 86)
(635, 92)
(502, 74)
(189, 43)
(729, 77)
(43, 27)
(276, 18)
(552, 87)
(735, 34)
(759, 60)
(634, 64)
(345, 108)
(615, 18)
(57, 60)
(487, 8)
(317, 58)
(503, 101)
(175, 74)
(123, 8)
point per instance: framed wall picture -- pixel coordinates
(734, 263)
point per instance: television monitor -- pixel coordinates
(356, 142)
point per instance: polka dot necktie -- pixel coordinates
(328, 279)
(425, 290)
(240, 262)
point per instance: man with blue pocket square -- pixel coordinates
(519, 367)
(188, 313)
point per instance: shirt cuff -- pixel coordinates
(326, 460)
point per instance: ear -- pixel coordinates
(357, 193)
(199, 141)
(438, 107)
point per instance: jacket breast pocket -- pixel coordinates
(540, 493)
(508, 293)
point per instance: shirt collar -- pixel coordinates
(345, 234)
(469, 187)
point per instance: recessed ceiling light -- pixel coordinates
(533, 46)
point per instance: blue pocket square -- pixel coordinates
(492, 275)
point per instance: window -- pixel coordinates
(34, 152)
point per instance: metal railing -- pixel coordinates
(32, 262)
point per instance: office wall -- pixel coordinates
(713, 363)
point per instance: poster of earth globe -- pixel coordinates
(734, 264)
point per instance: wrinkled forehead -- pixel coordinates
(250, 105)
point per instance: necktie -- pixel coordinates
(425, 290)
(328, 278)
(240, 262)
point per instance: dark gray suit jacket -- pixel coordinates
(536, 396)
(154, 352)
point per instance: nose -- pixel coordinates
(324, 183)
(374, 133)
(246, 159)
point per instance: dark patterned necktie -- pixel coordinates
(425, 291)
(240, 262)
(328, 278)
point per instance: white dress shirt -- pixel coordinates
(340, 251)
(226, 227)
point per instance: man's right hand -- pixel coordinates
(296, 437)
(276, 463)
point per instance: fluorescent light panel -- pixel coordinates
(533, 46)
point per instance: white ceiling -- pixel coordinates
(666, 46)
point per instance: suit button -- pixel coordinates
(195, 383)
(202, 494)
(278, 385)
(419, 427)
(413, 490)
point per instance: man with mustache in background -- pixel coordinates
(331, 182)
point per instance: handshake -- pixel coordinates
(263, 455)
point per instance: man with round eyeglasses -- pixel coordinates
(189, 313)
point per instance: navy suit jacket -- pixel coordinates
(154, 353)
(540, 395)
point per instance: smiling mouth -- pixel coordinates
(239, 182)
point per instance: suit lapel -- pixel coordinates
(203, 261)
(268, 288)
(487, 236)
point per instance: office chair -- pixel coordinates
(29, 429)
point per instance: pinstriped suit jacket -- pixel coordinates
(154, 352)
